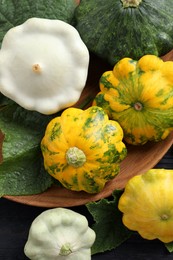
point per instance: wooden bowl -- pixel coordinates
(138, 160)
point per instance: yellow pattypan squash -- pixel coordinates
(83, 149)
(147, 204)
(139, 95)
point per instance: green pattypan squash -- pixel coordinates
(125, 28)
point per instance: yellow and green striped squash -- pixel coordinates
(83, 149)
(139, 95)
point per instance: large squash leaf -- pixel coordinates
(21, 163)
(108, 226)
(14, 12)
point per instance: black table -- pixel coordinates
(15, 221)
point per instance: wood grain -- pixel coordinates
(138, 160)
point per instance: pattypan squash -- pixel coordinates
(83, 149)
(139, 95)
(43, 65)
(115, 29)
(147, 205)
(59, 234)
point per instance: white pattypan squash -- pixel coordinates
(59, 233)
(43, 65)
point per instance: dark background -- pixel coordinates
(15, 221)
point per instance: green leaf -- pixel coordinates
(26, 176)
(24, 118)
(21, 164)
(13, 13)
(110, 231)
(169, 247)
(1, 142)
(3, 101)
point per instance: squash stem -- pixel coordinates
(36, 68)
(75, 157)
(131, 3)
(165, 217)
(65, 250)
(138, 106)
